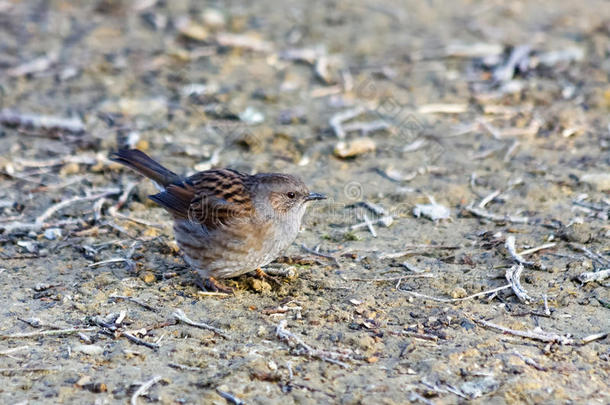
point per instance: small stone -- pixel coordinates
(458, 292)
(251, 116)
(262, 331)
(83, 380)
(192, 30)
(600, 181)
(70, 168)
(432, 211)
(143, 145)
(29, 246)
(580, 233)
(213, 18)
(52, 233)
(259, 285)
(92, 350)
(366, 343)
(354, 148)
(148, 277)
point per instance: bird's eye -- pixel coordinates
(291, 195)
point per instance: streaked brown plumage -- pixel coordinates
(226, 222)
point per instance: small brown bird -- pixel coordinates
(226, 223)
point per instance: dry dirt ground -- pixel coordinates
(488, 119)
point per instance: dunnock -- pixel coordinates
(226, 223)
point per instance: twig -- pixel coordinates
(63, 204)
(53, 332)
(496, 217)
(211, 293)
(511, 150)
(289, 337)
(123, 198)
(427, 275)
(366, 127)
(489, 198)
(416, 249)
(443, 109)
(230, 398)
(144, 388)
(139, 341)
(40, 221)
(315, 252)
(337, 120)
(449, 300)
(537, 248)
(534, 335)
(547, 311)
(184, 367)
(13, 350)
(513, 276)
(529, 361)
(28, 369)
(510, 246)
(589, 276)
(46, 122)
(385, 221)
(27, 226)
(595, 336)
(135, 301)
(109, 261)
(592, 255)
(138, 221)
(369, 225)
(181, 316)
(423, 336)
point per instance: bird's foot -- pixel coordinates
(210, 284)
(264, 276)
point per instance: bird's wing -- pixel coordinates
(212, 198)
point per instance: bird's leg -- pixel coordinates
(261, 273)
(211, 284)
(264, 276)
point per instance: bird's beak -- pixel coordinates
(315, 196)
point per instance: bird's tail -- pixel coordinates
(145, 165)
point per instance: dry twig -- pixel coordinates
(303, 348)
(230, 397)
(496, 217)
(513, 276)
(510, 246)
(450, 300)
(181, 316)
(534, 335)
(144, 388)
(53, 332)
(337, 120)
(589, 276)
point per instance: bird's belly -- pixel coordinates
(230, 251)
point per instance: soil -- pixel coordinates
(433, 114)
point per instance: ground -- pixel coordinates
(488, 119)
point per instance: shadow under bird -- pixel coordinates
(226, 223)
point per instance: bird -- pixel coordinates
(226, 223)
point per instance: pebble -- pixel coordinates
(192, 30)
(354, 148)
(213, 18)
(432, 211)
(148, 277)
(52, 233)
(600, 181)
(69, 168)
(251, 116)
(92, 350)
